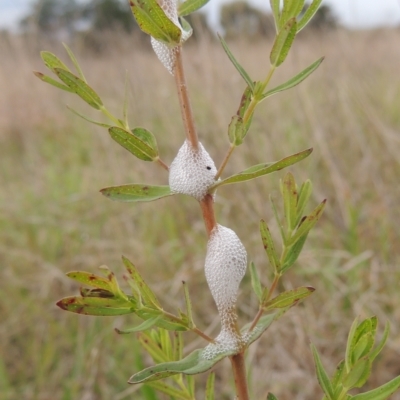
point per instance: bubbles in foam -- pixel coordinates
(165, 53)
(225, 266)
(192, 172)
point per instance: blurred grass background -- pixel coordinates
(53, 218)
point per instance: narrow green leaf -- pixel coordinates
(381, 393)
(82, 89)
(177, 346)
(289, 194)
(188, 304)
(291, 9)
(255, 281)
(89, 119)
(350, 344)
(142, 327)
(197, 362)
(363, 346)
(269, 246)
(75, 62)
(210, 387)
(51, 61)
(148, 296)
(186, 27)
(239, 68)
(136, 192)
(243, 107)
(52, 81)
(310, 12)
(236, 130)
(339, 374)
(190, 6)
(134, 142)
(359, 374)
(369, 325)
(293, 253)
(90, 279)
(381, 344)
(150, 341)
(169, 390)
(166, 344)
(152, 20)
(271, 397)
(295, 80)
(307, 224)
(276, 215)
(167, 322)
(96, 306)
(303, 197)
(289, 298)
(148, 138)
(283, 43)
(263, 169)
(322, 375)
(275, 7)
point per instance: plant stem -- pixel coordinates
(207, 207)
(226, 159)
(261, 310)
(183, 95)
(239, 374)
(162, 164)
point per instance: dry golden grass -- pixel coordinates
(52, 218)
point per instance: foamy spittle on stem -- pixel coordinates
(192, 172)
(167, 54)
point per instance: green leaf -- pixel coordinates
(135, 142)
(363, 346)
(51, 61)
(148, 138)
(147, 294)
(188, 304)
(381, 344)
(339, 374)
(96, 306)
(186, 27)
(350, 344)
(178, 346)
(283, 43)
(310, 12)
(52, 82)
(190, 6)
(381, 393)
(239, 68)
(136, 192)
(307, 224)
(291, 9)
(168, 322)
(271, 397)
(171, 391)
(263, 169)
(197, 362)
(269, 246)
(289, 298)
(275, 7)
(90, 279)
(293, 254)
(142, 327)
(303, 197)
(243, 107)
(322, 375)
(255, 281)
(289, 194)
(89, 119)
(81, 88)
(210, 387)
(236, 130)
(359, 374)
(150, 341)
(295, 80)
(75, 62)
(152, 20)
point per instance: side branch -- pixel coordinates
(186, 109)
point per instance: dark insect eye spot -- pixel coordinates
(208, 167)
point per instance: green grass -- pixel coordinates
(53, 219)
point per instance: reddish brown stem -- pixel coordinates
(183, 95)
(207, 207)
(239, 374)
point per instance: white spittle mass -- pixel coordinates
(192, 172)
(225, 266)
(165, 53)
